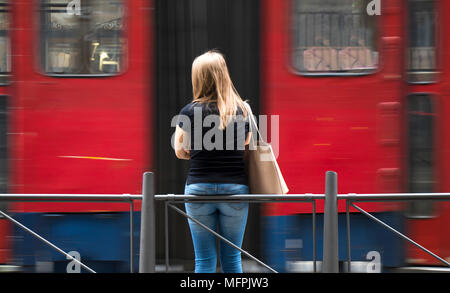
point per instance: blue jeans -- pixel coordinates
(230, 218)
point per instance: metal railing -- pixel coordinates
(71, 198)
(330, 263)
(353, 197)
(148, 225)
(147, 257)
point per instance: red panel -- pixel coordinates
(80, 135)
(444, 242)
(427, 233)
(333, 123)
(4, 243)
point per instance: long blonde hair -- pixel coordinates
(211, 82)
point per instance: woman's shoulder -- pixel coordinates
(187, 109)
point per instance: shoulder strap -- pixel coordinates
(252, 123)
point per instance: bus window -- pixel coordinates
(83, 40)
(5, 47)
(420, 129)
(421, 54)
(336, 37)
(108, 43)
(3, 145)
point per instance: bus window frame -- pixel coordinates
(434, 99)
(292, 69)
(437, 72)
(5, 77)
(40, 53)
(5, 155)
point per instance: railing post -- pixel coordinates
(148, 227)
(330, 230)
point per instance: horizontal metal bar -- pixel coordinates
(306, 196)
(242, 201)
(239, 197)
(66, 201)
(399, 234)
(68, 256)
(70, 197)
(394, 196)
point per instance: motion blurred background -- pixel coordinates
(89, 88)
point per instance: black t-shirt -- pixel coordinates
(216, 155)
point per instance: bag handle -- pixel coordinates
(252, 121)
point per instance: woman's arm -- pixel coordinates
(181, 144)
(247, 141)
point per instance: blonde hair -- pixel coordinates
(211, 82)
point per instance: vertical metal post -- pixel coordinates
(166, 234)
(314, 237)
(148, 227)
(131, 237)
(330, 229)
(349, 251)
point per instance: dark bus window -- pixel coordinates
(421, 55)
(84, 40)
(3, 145)
(330, 36)
(421, 178)
(5, 47)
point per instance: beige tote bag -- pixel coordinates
(264, 174)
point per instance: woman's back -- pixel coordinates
(216, 155)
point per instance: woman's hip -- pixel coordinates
(215, 189)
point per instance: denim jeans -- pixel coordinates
(229, 218)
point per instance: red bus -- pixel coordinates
(77, 85)
(363, 95)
